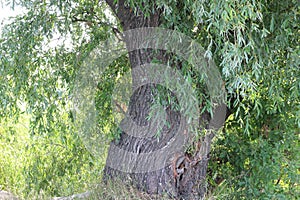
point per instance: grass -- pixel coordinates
(40, 166)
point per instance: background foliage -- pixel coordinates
(254, 43)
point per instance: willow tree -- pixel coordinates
(254, 45)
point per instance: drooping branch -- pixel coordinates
(130, 19)
(90, 23)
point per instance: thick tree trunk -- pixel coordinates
(184, 178)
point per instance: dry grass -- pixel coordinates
(116, 190)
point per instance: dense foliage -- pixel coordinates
(255, 44)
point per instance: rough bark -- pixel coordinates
(184, 178)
